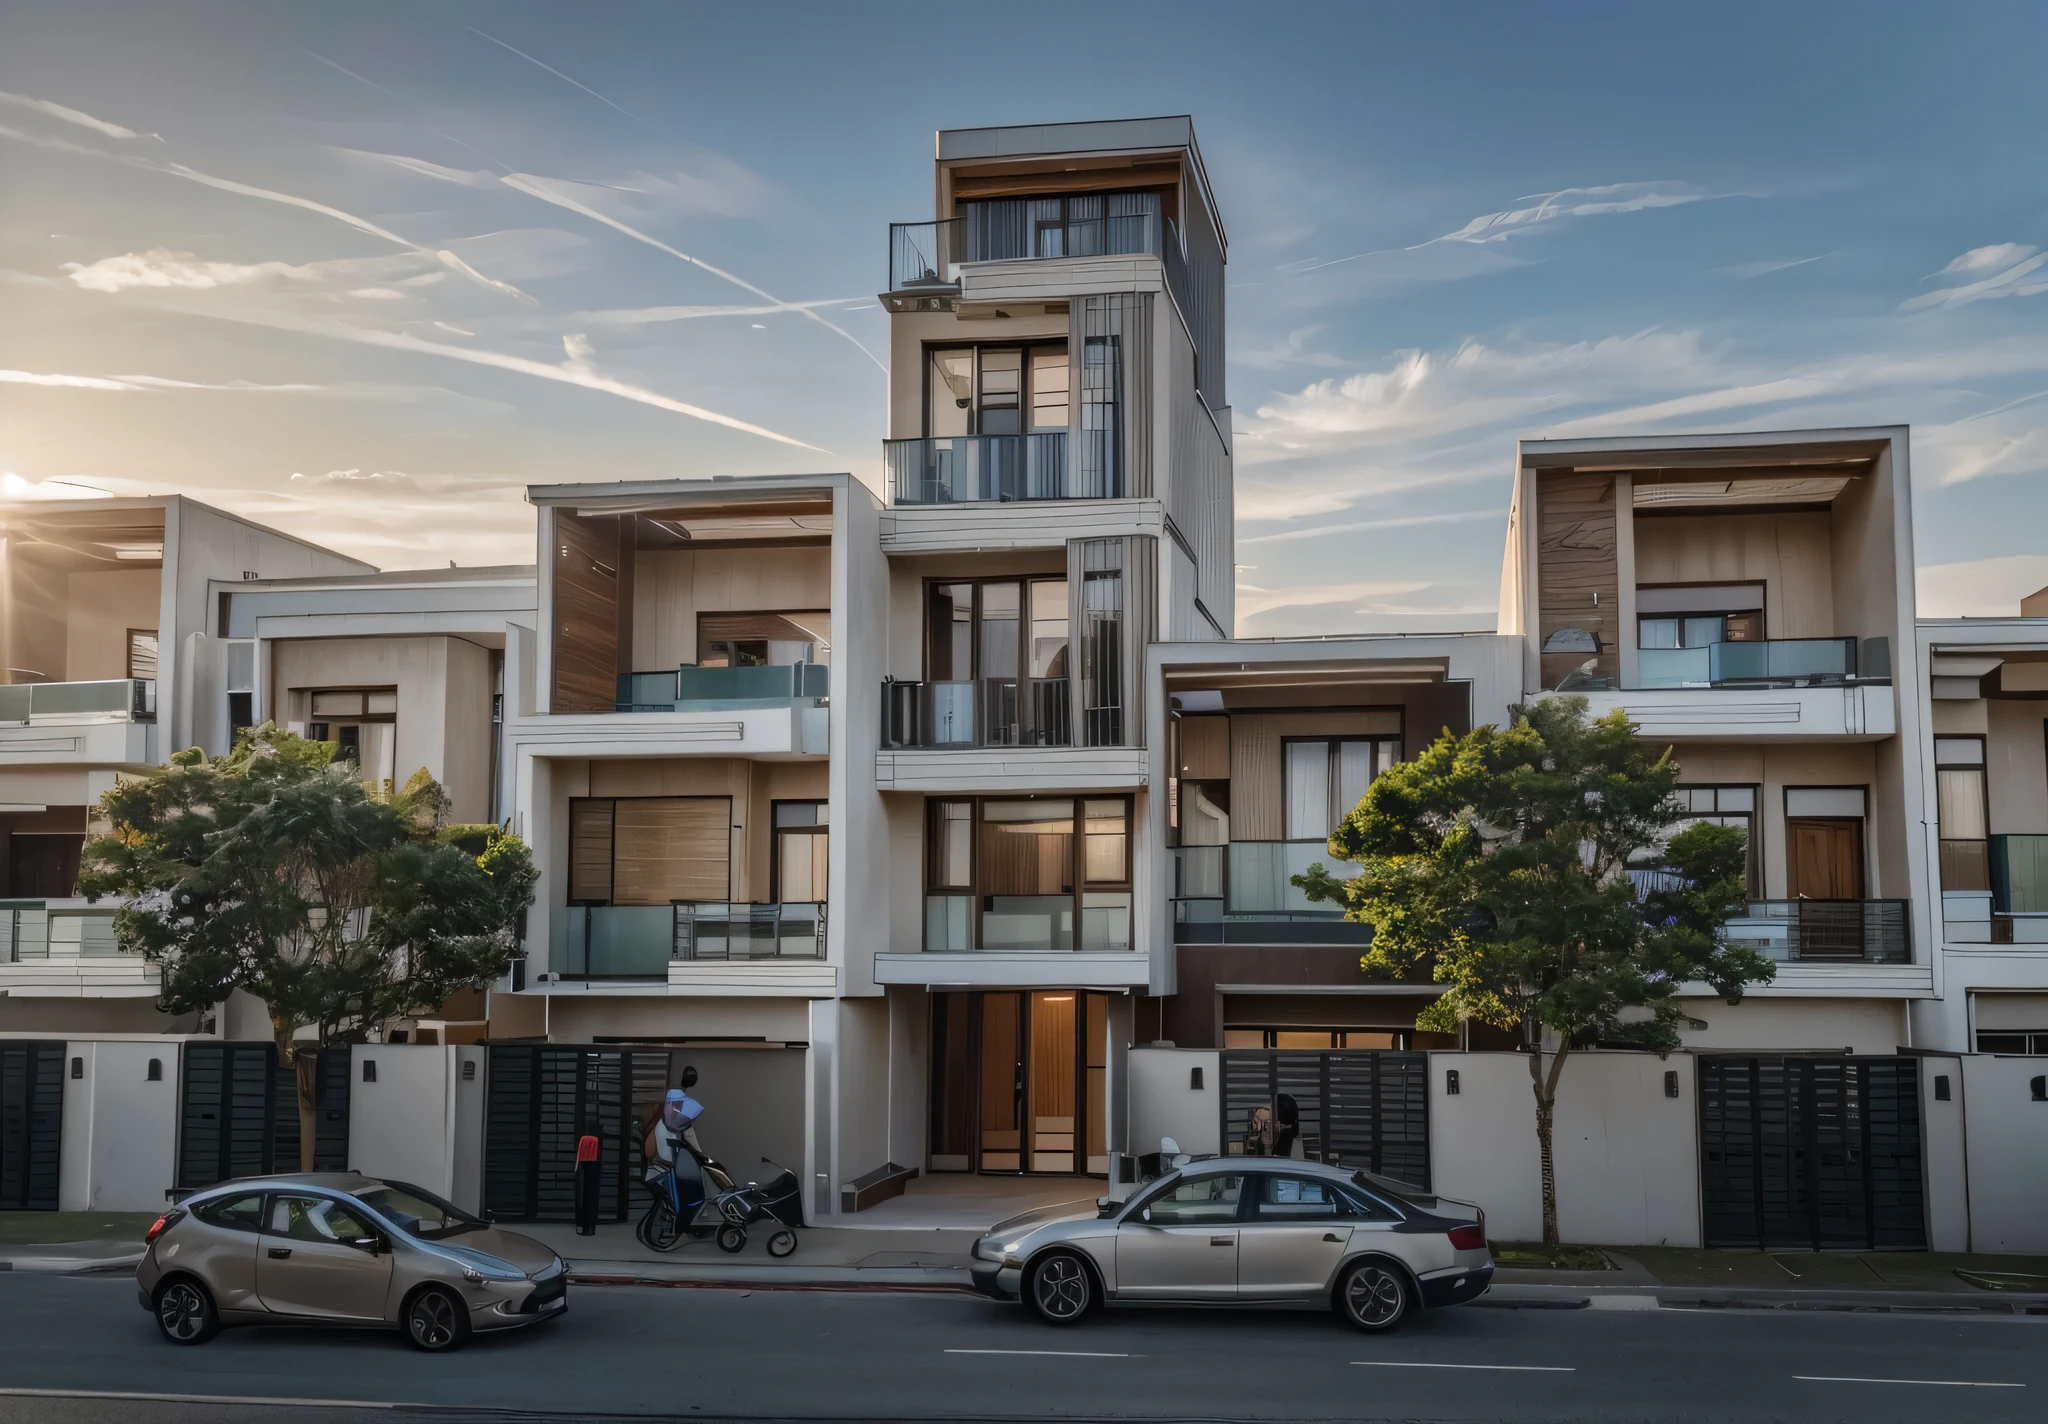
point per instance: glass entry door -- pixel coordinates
(1019, 1082)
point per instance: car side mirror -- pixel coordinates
(373, 1244)
(1104, 1208)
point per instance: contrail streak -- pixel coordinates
(554, 71)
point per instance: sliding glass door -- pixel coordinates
(1019, 1082)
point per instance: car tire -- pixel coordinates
(436, 1319)
(1059, 1288)
(185, 1313)
(1373, 1296)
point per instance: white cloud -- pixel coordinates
(1253, 600)
(1983, 259)
(159, 267)
(13, 486)
(73, 116)
(2013, 281)
(467, 177)
(135, 383)
(1405, 522)
(1981, 588)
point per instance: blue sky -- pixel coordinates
(364, 271)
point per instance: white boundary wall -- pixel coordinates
(120, 1128)
(421, 1120)
(2007, 1153)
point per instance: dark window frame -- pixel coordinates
(1025, 346)
(1076, 869)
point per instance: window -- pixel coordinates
(1717, 805)
(1034, 874)
(802, 840)
(243, 1213)
(1102, 643)
(979, 638)
(1326, 779)
(1960, 810)
(363, 725)
(1284, 1199)
(1697, 630)
(996, 390)
(315, 1219)
(417, 1212)
(142, 652)
(1195, 1201)
(763, 639)
(650, 850)
(1068, 225)
(2025, 1045)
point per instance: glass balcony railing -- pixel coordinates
(1780, 662)
(123, 699)
(1031, 924)
(722, 689)
(1826, 931)
(641, 941)
(1243, 893)
(2019, 874)
(1004, 469)
(923, 254)
(996, 712)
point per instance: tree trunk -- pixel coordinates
(1544, 1085)
(305, 1068)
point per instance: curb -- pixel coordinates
(1533, 1297)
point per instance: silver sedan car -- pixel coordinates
(1244, 1231)
(336, 1248)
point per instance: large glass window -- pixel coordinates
(363, 725)
(803, 839)
(977, 645)
(1196, 1200)
(1327, 776)
(991, 390)
(1028, 873)
(1070, 225)
(1961, 799)
(1102, 644)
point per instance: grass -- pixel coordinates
(42, 1228)
(1533, 1256)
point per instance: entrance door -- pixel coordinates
(1019, 1082)
(1827, 858)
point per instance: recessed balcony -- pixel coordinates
(723, 689)
(640, 942)
(72, 704)
(995, 712)
(1244, 893)
(1826, 931)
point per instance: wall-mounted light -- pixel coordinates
(1451, 1082)
(469, 1070)
(155, 1072)
(2040, 1087)
(369, 1070)
(78, 1068)
(1941, 1087)
(1671, 1084)
(1195, 1079)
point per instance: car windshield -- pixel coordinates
(416, 1211)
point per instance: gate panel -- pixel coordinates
(31, 1124)
(1811, 1153)
(541, 1100)
(1359, 1108)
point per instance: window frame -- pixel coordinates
(1076, 869)
(1330, 740)
(1024, 584)
(1135, 1214)
(777, 831)
(1026, 391)
(199, 1212)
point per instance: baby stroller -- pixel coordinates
(723, 1210)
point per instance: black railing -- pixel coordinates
(714, 931)
(923, 254)
(1826, 931)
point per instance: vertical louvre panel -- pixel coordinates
(230, 1105)
(590, 850)
(672, 848)
(509, 1122)
(540, 1101)
(1811, 1153)
(1358, 1108)
(31, 1124)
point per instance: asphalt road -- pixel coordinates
(726, 1354)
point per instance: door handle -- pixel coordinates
(1221, 1240)
(280, 1253)
(1333, 1236)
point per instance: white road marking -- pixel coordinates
(1433, 1365)
(142, 1396)
(1064, 1354)
(1958, 1384)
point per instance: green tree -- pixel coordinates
(1499, 861)
(275, 871)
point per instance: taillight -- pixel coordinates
(162, 1224)
(1468, 1238)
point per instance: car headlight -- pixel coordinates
(480, 1275)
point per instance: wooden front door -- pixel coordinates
(1827, 858)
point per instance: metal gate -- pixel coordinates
(541, 1099)
(1366, 1108)
(239, 1113)
(1811, 1153)
(31, 1124)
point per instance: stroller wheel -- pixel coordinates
(782, 1242)
(732, 1239)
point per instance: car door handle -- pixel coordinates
(1221, 1240)
(280, 1253)
(1333, 1236)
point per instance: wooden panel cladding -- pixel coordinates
(1204, 748)
(671, 848)
(1578, 583)
(1791, 554)
(1257, 788)
(590, 850)
(589, 584)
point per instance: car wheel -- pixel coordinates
(436, 1319)
(732, 1239)
(185, 1313)
(1059, 1288)
(782, 1243)
(1373, 1296)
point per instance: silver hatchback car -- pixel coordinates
(336, 1248)
(1244, 1231)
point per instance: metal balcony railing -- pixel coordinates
(121, 699)
(923, 254)
(1826, 931)
(996, 712)
(1004, 469)
(722, 689)
(1774, 662)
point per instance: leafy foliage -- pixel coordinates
(273, 870)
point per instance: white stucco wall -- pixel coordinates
(1162, 1104)
(120, 1129)
(406, 1124)
(2008, 1153)
(1943, 1140)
